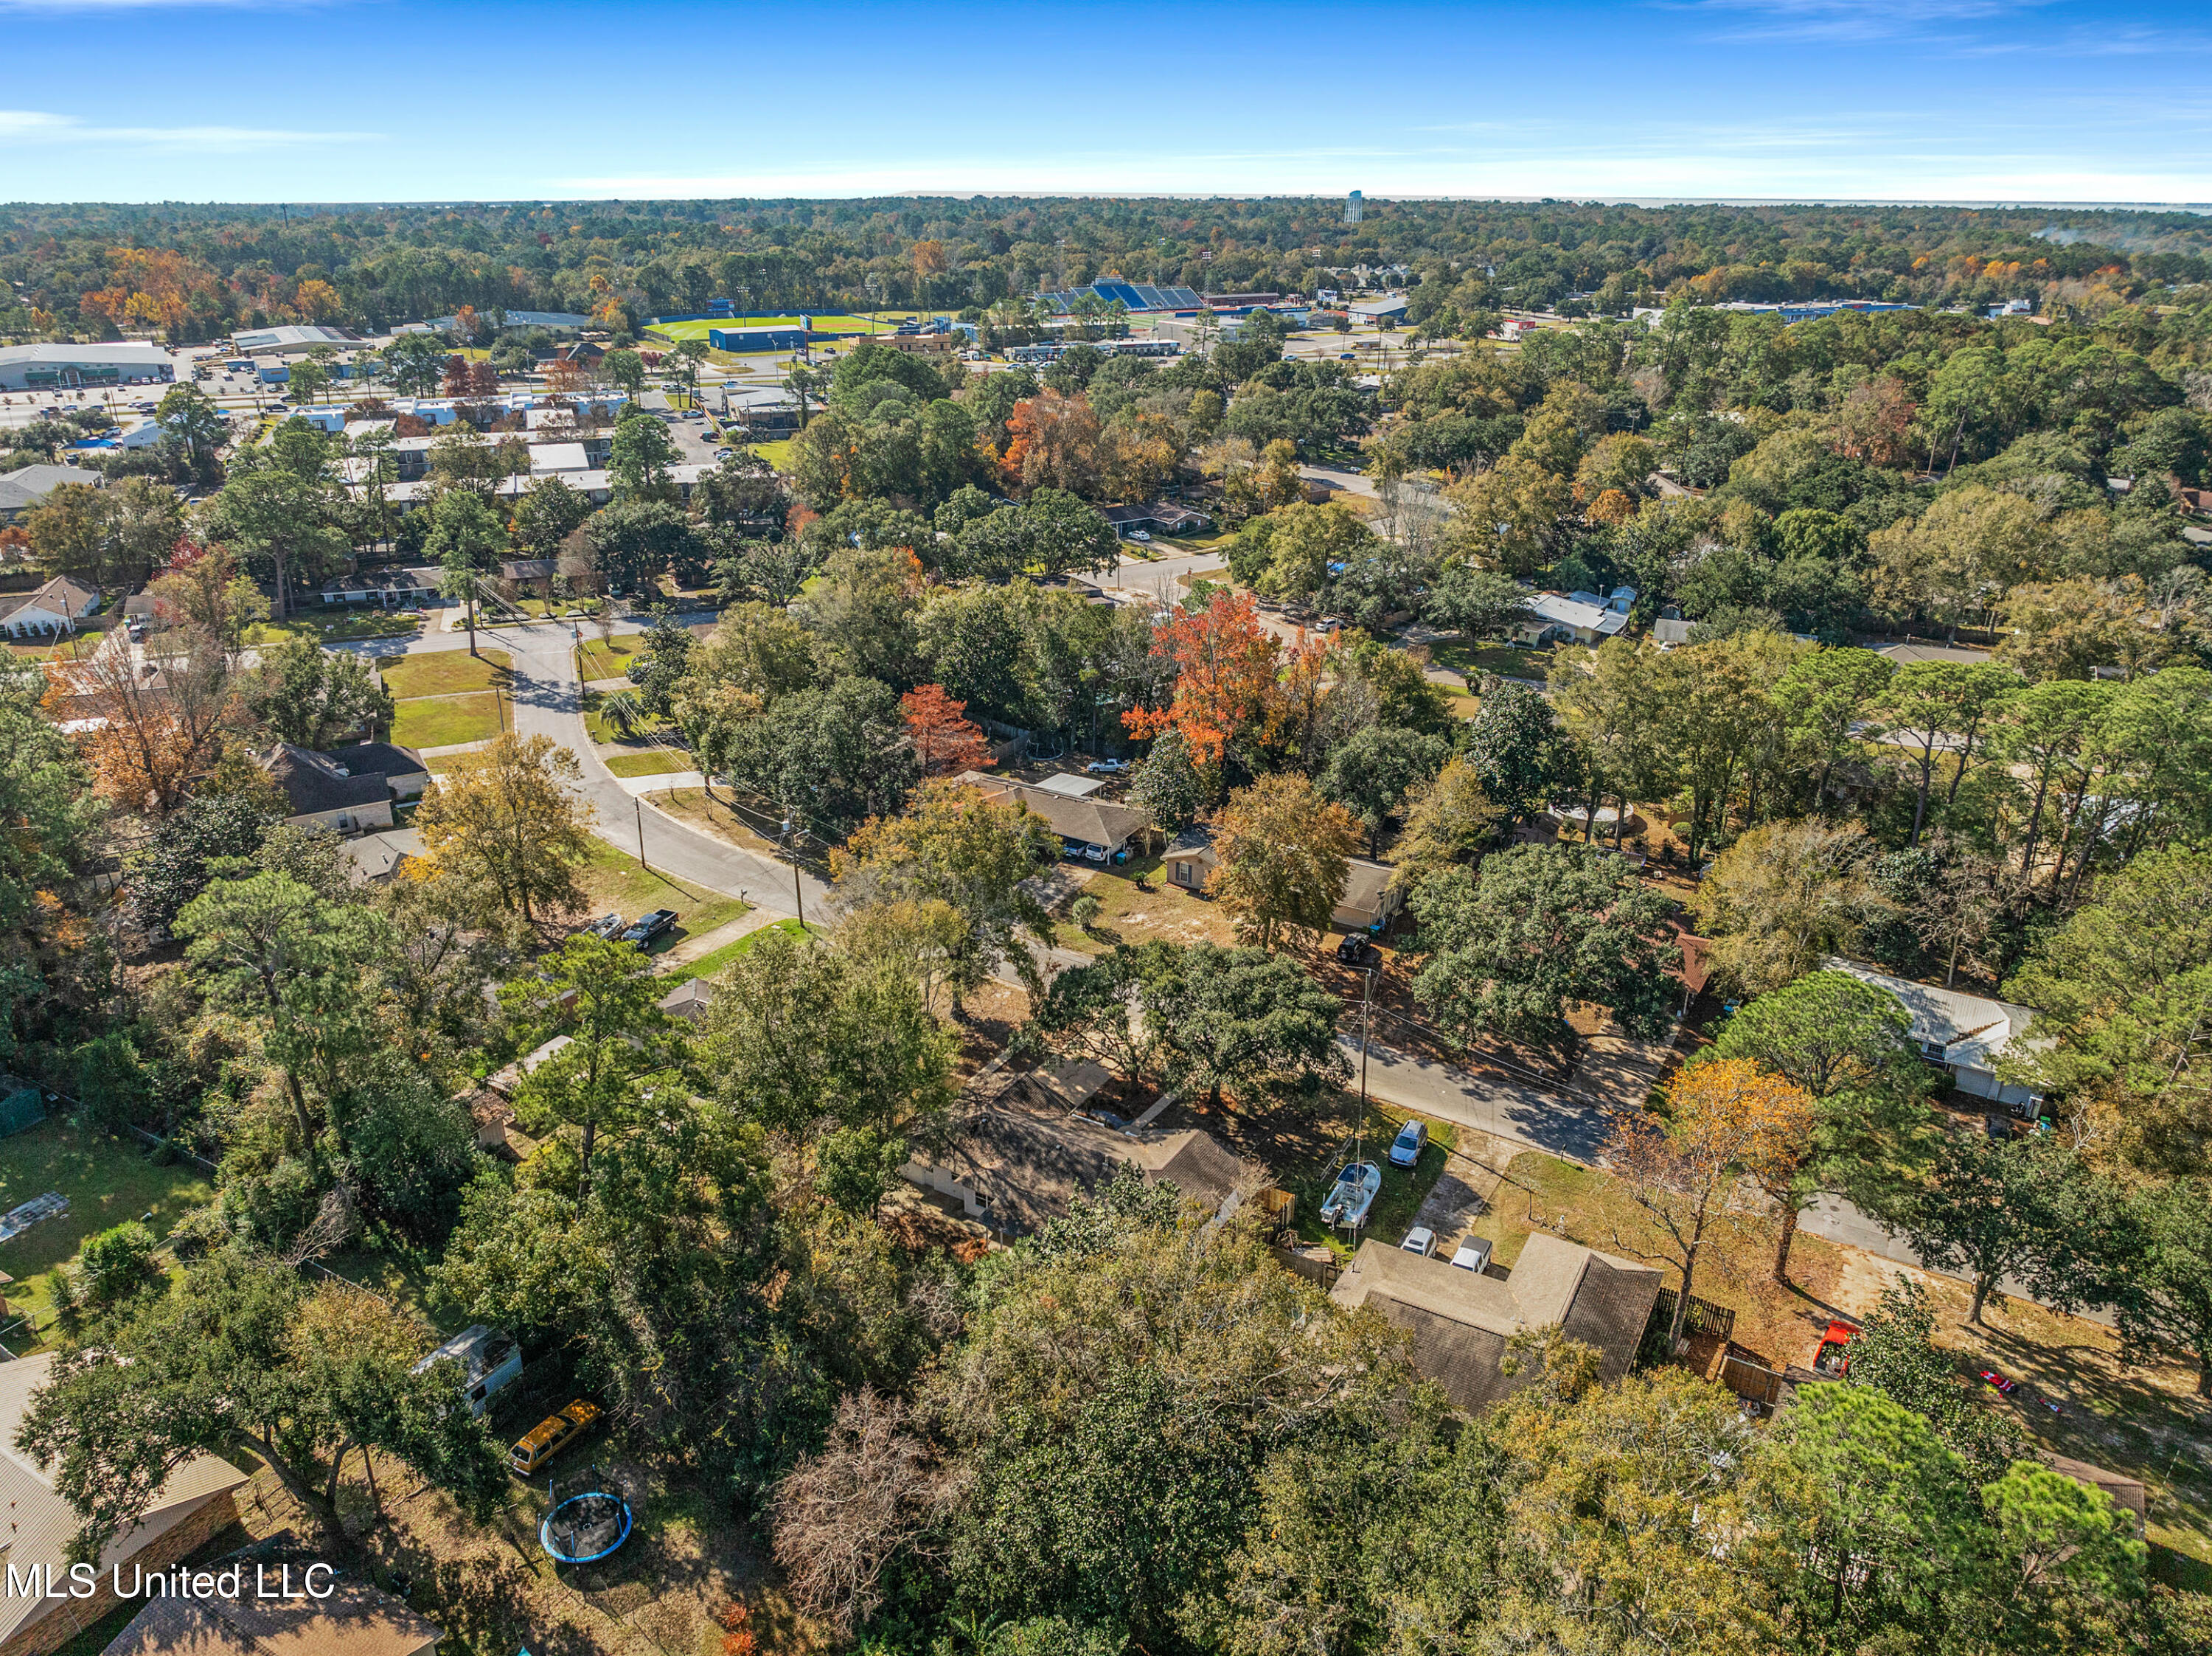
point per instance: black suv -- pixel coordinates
(1357, 951)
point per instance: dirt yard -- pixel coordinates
(494, 1591)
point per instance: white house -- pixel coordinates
(1964, 1035)
(53, 611)
(1575, 617)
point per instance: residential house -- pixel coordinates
(1367, 902)
(1670, 630)
(1082, 825)
(1189, 857)
(1155, 517)
(374, 858)
(390, 588)
(1906, 654)
(1965, 1035)
(1573, 617)
(53, 611)
(24, 489)
(1461, 1321)
(350, 789)
(1017, 1160)
(194, 1504)
(689, 1000)
(355, 1620)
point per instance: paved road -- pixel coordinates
(548, 699)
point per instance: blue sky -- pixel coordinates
(389, 99)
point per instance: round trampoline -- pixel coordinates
(584, 1527)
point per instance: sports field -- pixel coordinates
(700, 330)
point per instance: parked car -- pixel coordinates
(608, 925)
(1106, 767)
(649, 926)
(1353, 1195)
(1358, 950)
(1473, 1254)
(1094, 853)
(1405, 1148)
(1420, 1240)
(1145, 534)
(550, 1436)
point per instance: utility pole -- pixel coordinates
(638, 805)
(1366, 1022)
(799, 894)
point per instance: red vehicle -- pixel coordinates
(1830, 1358)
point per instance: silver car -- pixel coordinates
(1473, 1255)
(1420, 1240)
(1405, 1148)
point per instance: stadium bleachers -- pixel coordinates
(1136, 297)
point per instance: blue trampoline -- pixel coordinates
(588, 1526)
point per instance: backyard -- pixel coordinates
(107, 1181)
(1139, 904)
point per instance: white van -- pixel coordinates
(488, 1358)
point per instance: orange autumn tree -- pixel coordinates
(1053, 442)
(147, 733)
(1225, 664)
(944, 740)
(1727, 1121)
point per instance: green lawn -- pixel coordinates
(659, 762)
(612, 880)
(1404, 1189)
(707, 965)
(107, 1181)
(610, 657)
(337, 627)
(777, 454)
(1474, 660)
(447, 672)
(440, 721)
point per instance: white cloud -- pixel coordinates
(34, 126)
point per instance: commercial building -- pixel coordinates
(56, 367)
(194, 1504)
(295, 337)
(1390, 308)
(1461, 1321)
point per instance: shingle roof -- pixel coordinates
(28, 486)
(1973, 1030)
(1461, 1321)
(1096, 821)
(358, 775)
(62, 596)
